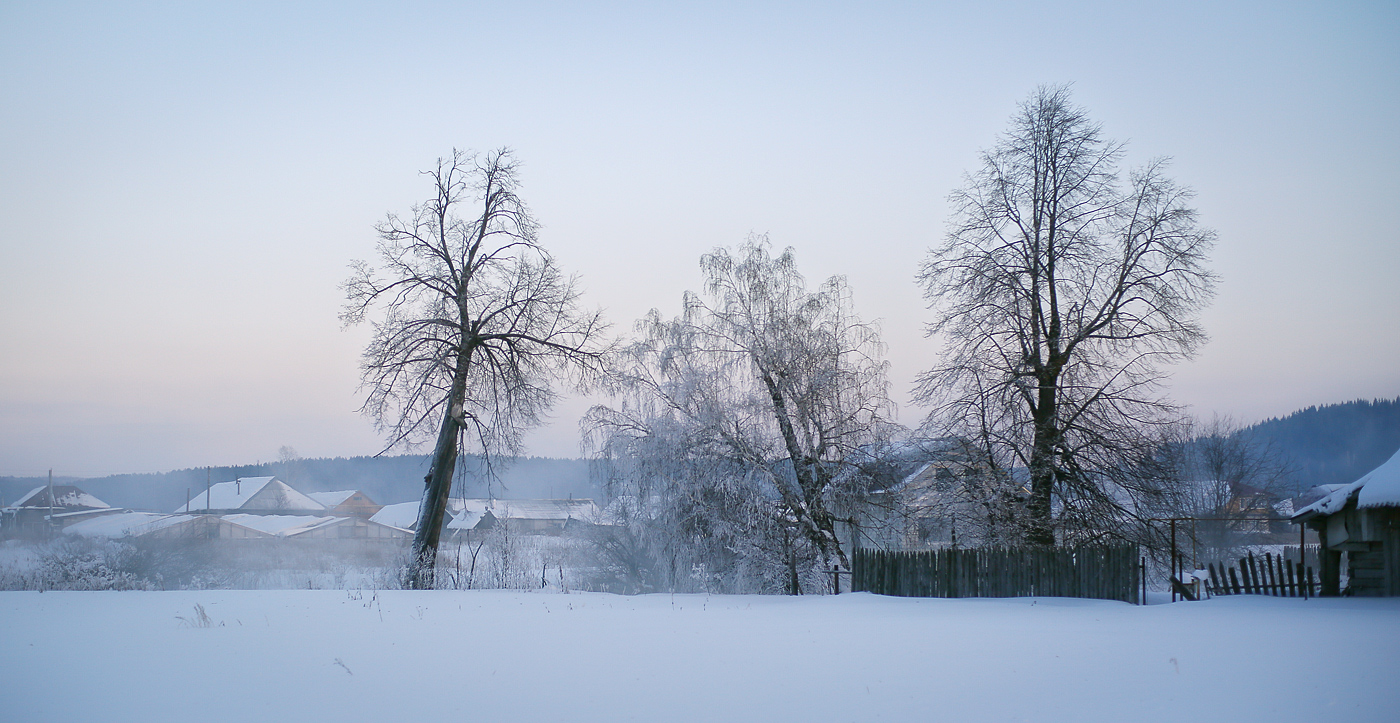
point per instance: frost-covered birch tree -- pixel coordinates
(473, 322)
(735, 421)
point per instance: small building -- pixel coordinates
(530, 517)
(1360, 520)
(127, 525)
(49, 509)
(404, 515)
(252, 495)
(313, 527)
(347, 503)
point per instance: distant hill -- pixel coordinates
(386, 479)
(1336, 443)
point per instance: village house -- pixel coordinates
(49, 509)
(254, 495)
(129, 524)
(530, 517)
(347, 503)
(312, 527)
(468, 515)
(1360, 521)
(918, 496)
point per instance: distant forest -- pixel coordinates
(387, 480)
(1336, 443)
(1332, 444)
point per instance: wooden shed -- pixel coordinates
(1360, 521)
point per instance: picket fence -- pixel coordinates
(1270, 575)
(1105, 573)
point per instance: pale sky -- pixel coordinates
(182, 185)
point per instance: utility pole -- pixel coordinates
(48, 528)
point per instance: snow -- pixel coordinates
(64, 496)
(1378, 488)
(466, 512)
(1381, 488)
(466, 520)
(125, 524)
(331, 499)
(235, 495)
(540, 509)
(281, 525)
(403, 515)
(512, 656)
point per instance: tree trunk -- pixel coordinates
(819, 524)
(1039, 528)
(437, 487)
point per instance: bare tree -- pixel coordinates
(1226, 466)
(473, 322)
(1061, 292)
(747, 407)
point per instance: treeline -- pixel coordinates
(1334, 443)
(387, 480)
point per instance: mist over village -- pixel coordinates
(726, 362)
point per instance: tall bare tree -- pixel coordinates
(759, 392)
(1060, 292)
(472, 321)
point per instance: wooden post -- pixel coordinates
(1171, 564)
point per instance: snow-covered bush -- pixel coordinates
(72, 563)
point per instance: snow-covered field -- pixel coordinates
(322, 655)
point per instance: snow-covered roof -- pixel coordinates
(543, 509)
(467, 512)
(332, 499)
(63, 496)
(281, 525)
(264, 493)
(1378, 488)
(403, 514)
(126, 524)
(466, 520)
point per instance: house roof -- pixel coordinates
(334, 499)
(127, 524)
(282, 525)
(64, 496)
(582, 509)
(250, 493)
(1378, 488)
(466, 519)
(403, 515)
(467, 512)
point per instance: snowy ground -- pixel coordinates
(303, 655)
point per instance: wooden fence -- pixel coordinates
(1106, 573)
(1270, 575)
